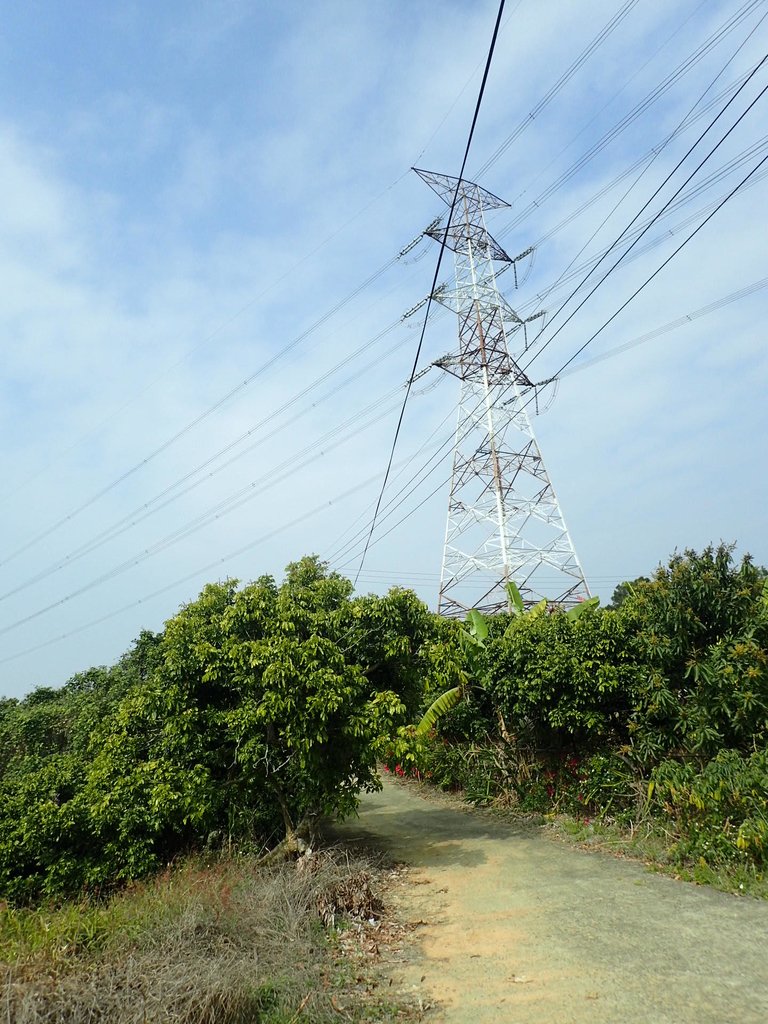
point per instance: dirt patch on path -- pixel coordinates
(515, 927)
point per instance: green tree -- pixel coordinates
(257, 709)
(624, 590)
(701, 633)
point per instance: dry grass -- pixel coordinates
(224, 943)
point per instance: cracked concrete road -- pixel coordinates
(518, 928)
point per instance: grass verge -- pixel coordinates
(218, 942)
(651, 843)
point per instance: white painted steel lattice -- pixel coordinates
(504, 519)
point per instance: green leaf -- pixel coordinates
(516, 603)
(578, 610)
(478, 627)
(440, 707)
(468, 641)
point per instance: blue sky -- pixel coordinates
(191, 188)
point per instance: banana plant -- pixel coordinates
(472, 639)
(518, 610)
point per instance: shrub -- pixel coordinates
(259, 709)
(721, 810)
(701, 634)
(561, 683)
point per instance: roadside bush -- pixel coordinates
(701, 636)
(563, 683)
(580, 712)
(720, 811)
(258, 710)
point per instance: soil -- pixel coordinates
(515, 927)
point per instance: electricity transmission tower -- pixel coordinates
(504, 519)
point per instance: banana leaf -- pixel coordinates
(439, 707)
(478, 627)
(516, 603)
(578, 609)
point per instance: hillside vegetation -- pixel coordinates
(256, 710)
(652, 712)
(260, 708)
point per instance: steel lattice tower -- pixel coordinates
(504, 519)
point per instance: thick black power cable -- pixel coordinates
(355, 530)
(443, 451)
(647, 203)
(436, 274)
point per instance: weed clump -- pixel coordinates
(223, 942)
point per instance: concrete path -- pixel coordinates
(518, 928)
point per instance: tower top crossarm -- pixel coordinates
(444, 185)
(467, 228)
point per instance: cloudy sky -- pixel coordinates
(201, 302)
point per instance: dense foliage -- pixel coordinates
(658, 706)
(256, 709)
(259, 708)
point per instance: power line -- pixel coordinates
(395, 504)
(668, 232)
(658, 270)
(197, 572)
(437, 269)
(249, 492)
(156, 503)
(682, 321)
(95, 497)
(144, 510)
(218, 404)
(650, 200)
(561, 82)
(648, 280)
(656, 153)
(443, 451)
(609, 102)
(242, 309)
(640, 108)
(665, 206)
